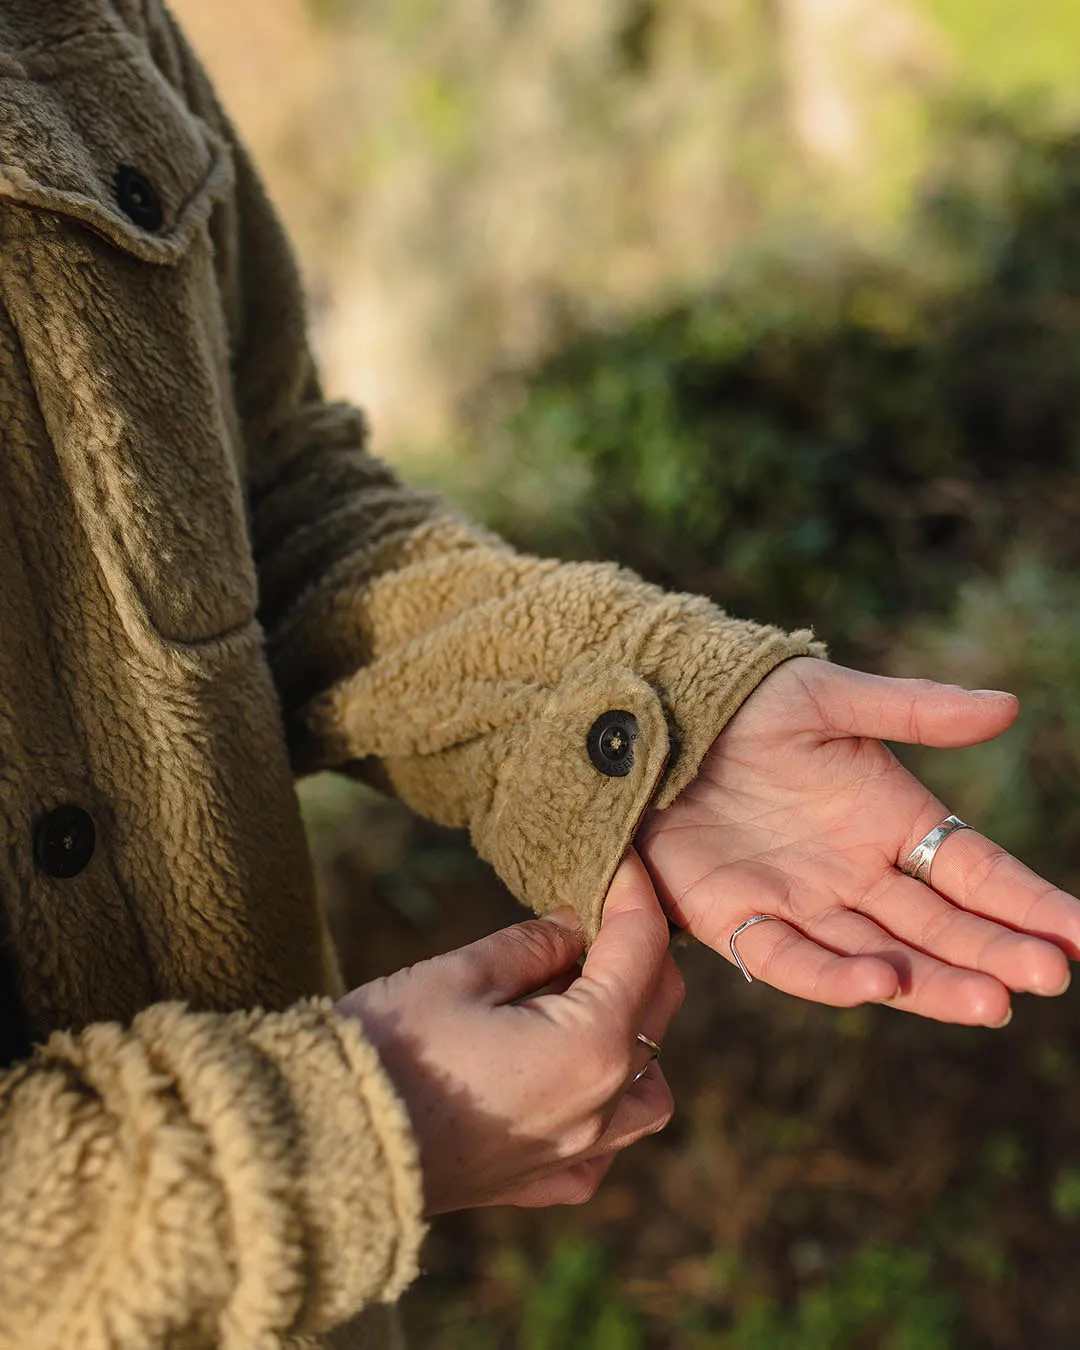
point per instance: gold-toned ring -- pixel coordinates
(654, 1053)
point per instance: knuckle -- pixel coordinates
(988, 1006)
(533, 939)
(984, 870)
(582, 1188)
(583, 1137)
(591, 1132)
(677, 983)
(473, 965)
(665, 1109)
(935, 929)
(615, 1070)
(540, 947)
(771, 963)
(606, 1067)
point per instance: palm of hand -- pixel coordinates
(800, 812)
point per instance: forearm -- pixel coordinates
(475, 682)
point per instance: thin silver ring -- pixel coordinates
(920, 860)
(653, 1047)
(758, 918)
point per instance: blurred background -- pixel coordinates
(777, 300)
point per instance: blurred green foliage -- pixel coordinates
(885, 449)
(571, 1302)
(573, 1305)
(886, 1297)
(843, 441)
(1002, 48)
(883, 1296)
(1066, 1194)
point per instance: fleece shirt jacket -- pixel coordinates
(208, 587)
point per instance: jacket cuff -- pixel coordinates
(361, 1191)
(563, 812)
(314, 1155)
(545, 706)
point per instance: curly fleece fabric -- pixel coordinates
(208, 586)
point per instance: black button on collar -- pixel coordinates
(138, 199)
(611, 743)
(64, 841)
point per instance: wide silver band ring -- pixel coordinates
(920, 860)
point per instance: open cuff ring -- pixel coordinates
(758, 918)
(653, 1047)
(919, 861)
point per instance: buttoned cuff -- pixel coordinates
(545, 706)
(603, 747)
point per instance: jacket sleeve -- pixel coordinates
(412, 647)
(201, 1179)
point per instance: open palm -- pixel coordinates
(799, 811)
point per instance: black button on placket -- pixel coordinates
(64, 841)
(611, 742)
(138, 199)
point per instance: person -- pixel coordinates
(209, 587)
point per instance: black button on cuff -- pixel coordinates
(138, 199)
(611, 742)
(64, 842)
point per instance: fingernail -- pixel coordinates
(996, 1026)
(565, 917)
(990, 693)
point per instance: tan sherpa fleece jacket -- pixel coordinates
(207, 587)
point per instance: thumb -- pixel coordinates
(915, 712)
(523, 958)
(624, 962)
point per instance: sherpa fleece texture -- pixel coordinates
(207, 587)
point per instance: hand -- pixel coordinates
(519, 1097)
(799, 811)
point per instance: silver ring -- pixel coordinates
(650, 1045)
(758, 918)
(920, 860)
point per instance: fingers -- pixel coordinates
(574, 1185)
(919, 916)
(667, 998)
(643, 1110)
(624, 963)
(847, 967)
(915, 712)
(520, 959)
(927, 986)
(982, 877)
(779, 955)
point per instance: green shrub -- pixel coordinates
(884, 1296)
(843, 444)
(573, 1305)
